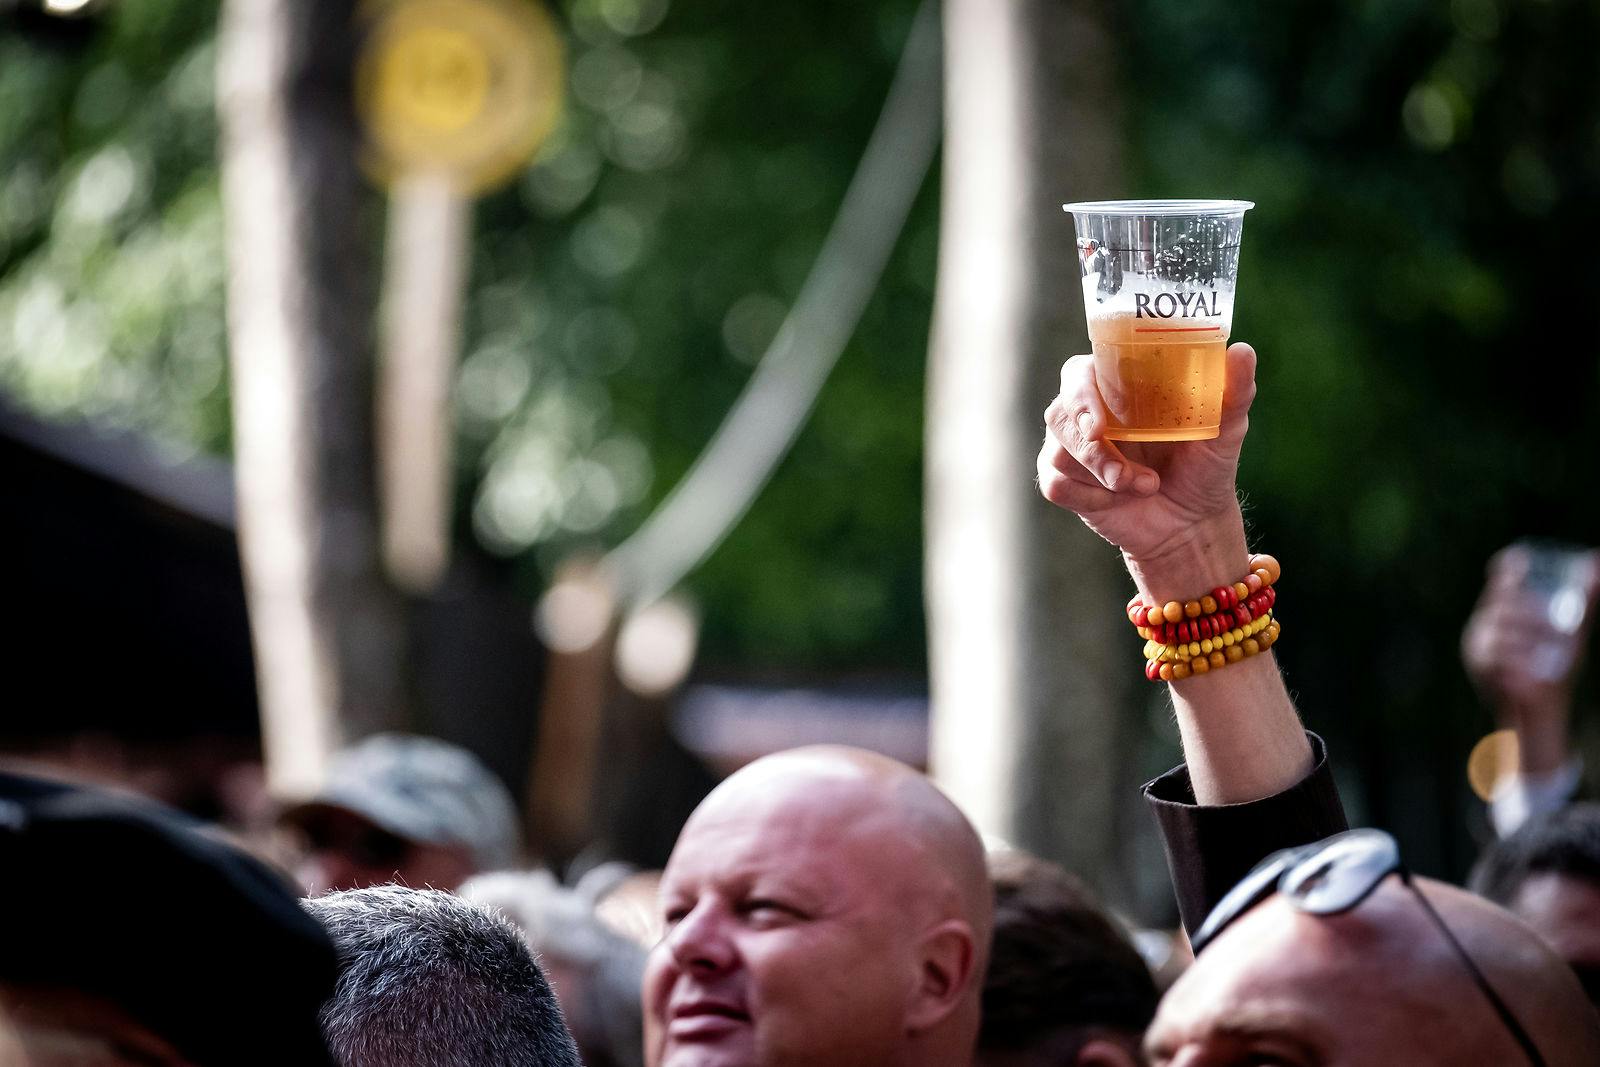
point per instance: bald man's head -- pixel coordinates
(1376, 985)
(1537, 984)
(825, 906)
(946, 869)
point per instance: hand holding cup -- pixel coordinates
(1154, 499)
(1172, 507)
(1523, 644)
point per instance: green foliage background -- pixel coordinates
(1415, 276)
(621, 291)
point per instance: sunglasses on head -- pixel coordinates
(1333, 876)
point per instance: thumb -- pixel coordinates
(1238, 390)
(1239, 382)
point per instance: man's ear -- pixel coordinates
(1104, 1052)
(947, 968)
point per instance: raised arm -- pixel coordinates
(1523, 648)
(1254, 781)
(1173, 510)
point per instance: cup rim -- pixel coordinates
(1159, 208)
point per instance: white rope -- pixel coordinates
(725, 479)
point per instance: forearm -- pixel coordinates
(1540, 713)
(1242, 739)
(1542, 744)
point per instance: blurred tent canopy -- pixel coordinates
(1428, 381)
(129, 556)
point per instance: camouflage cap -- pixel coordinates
(424, 790)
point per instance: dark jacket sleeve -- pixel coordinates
(1210, 848)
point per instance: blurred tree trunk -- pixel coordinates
(327, 628)
(1033, 670)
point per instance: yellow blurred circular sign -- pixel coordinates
(1493, 761)
(469, 88)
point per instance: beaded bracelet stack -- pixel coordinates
(1229, 624)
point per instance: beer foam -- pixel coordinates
(1145, 296)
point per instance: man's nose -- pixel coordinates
(700, 943)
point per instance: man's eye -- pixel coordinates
(675, 914)
(765, 908)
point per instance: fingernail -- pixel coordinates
(1112, 472)
(1085, 423)
(1145, 483)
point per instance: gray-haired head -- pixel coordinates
(427, 978)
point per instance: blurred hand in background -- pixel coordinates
(1524, 643)
(1523, 647)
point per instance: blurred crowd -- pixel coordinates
(830, 906)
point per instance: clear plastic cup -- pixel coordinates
(1557, 579)
(1158, 285)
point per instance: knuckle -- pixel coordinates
(1059, 419)
(1073, 372)
(1083, 423)
(1058, 490)
(1068, 422)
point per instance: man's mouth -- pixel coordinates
(704, 1019)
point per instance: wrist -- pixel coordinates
(1209, 553)
(1541, 724)
(1542, 752)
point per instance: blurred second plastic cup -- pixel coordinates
(1558, 581)
(1158, 285)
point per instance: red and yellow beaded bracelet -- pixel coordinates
(1177, 669)
(1226, 625)
(1253, 593)
(1212, 624)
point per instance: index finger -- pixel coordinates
(1078, 420)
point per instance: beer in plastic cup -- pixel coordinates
(1555, 579)
(1158, 285)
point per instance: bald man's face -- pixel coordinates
(792, 914)
(1370, 988)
